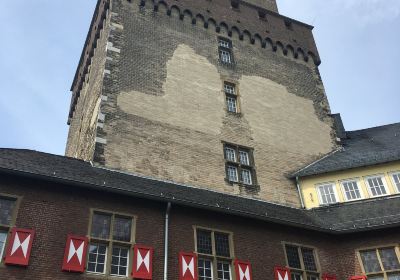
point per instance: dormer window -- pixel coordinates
(327, 193)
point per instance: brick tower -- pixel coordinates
(217, 94)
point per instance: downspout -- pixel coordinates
(166, 229)
(299, 191)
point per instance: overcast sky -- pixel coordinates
(42, 41)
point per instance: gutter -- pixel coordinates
(166, 231)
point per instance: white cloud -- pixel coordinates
(366, 12)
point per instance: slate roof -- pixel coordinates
(335, 219)
(360, 148)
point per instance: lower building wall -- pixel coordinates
(56, 210)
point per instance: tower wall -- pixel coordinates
(163, 111)
(266, 4)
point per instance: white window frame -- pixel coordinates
(234, 154)
(382, 176)
(229, 88)
(4, 244)
(229, 265)
(357, 180)
(226, 56)
(247, 157)
(211, 267)
(127, 262)
(224, 43)
(231, 104)
(392, 174)
(105, 259)
(250, 177)
(334, 192)
(236, 170)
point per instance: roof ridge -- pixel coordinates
(374, 127)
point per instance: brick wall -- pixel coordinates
(165, 114)
(55, 210)
(87, 116)
(267, 4)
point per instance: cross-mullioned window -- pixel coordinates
(215, 254)
(110, 242)
(381, 263)
(302, 262)
(239, 164)
(225, 51)
(231, 97)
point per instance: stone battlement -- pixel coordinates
(237, 18)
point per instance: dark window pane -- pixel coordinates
(6, 210)
(293, 256)
(101, 226)
(389, 259)
(91, 267)
(114, 260)
(122, 271)
(296, 276)
(370, 261)
(204, 242)
(222, 244)
(101, 258)
(376, 277)
(312, 277)
(308, 259)
(124, 261)
(100, 268)
(394, 276)
(114, 270)
(122, 229)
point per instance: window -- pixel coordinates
(352, 190)
(231, 97)
(110, 241)
(381, 263)
(215, 256)
(7, 220)
(302, 262)
(327, 193)
(376, 186)
(225, 51)
(239, 165)
(396, 180)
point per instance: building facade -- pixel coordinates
(202, 147)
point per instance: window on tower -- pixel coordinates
(231, 97)
(225, 51)
(239, 165)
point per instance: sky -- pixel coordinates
(42, 40)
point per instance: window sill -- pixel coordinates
(241, 184)
(234, 114)
(104, 276)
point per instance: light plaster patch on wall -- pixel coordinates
(192, 99)
(281, 119)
